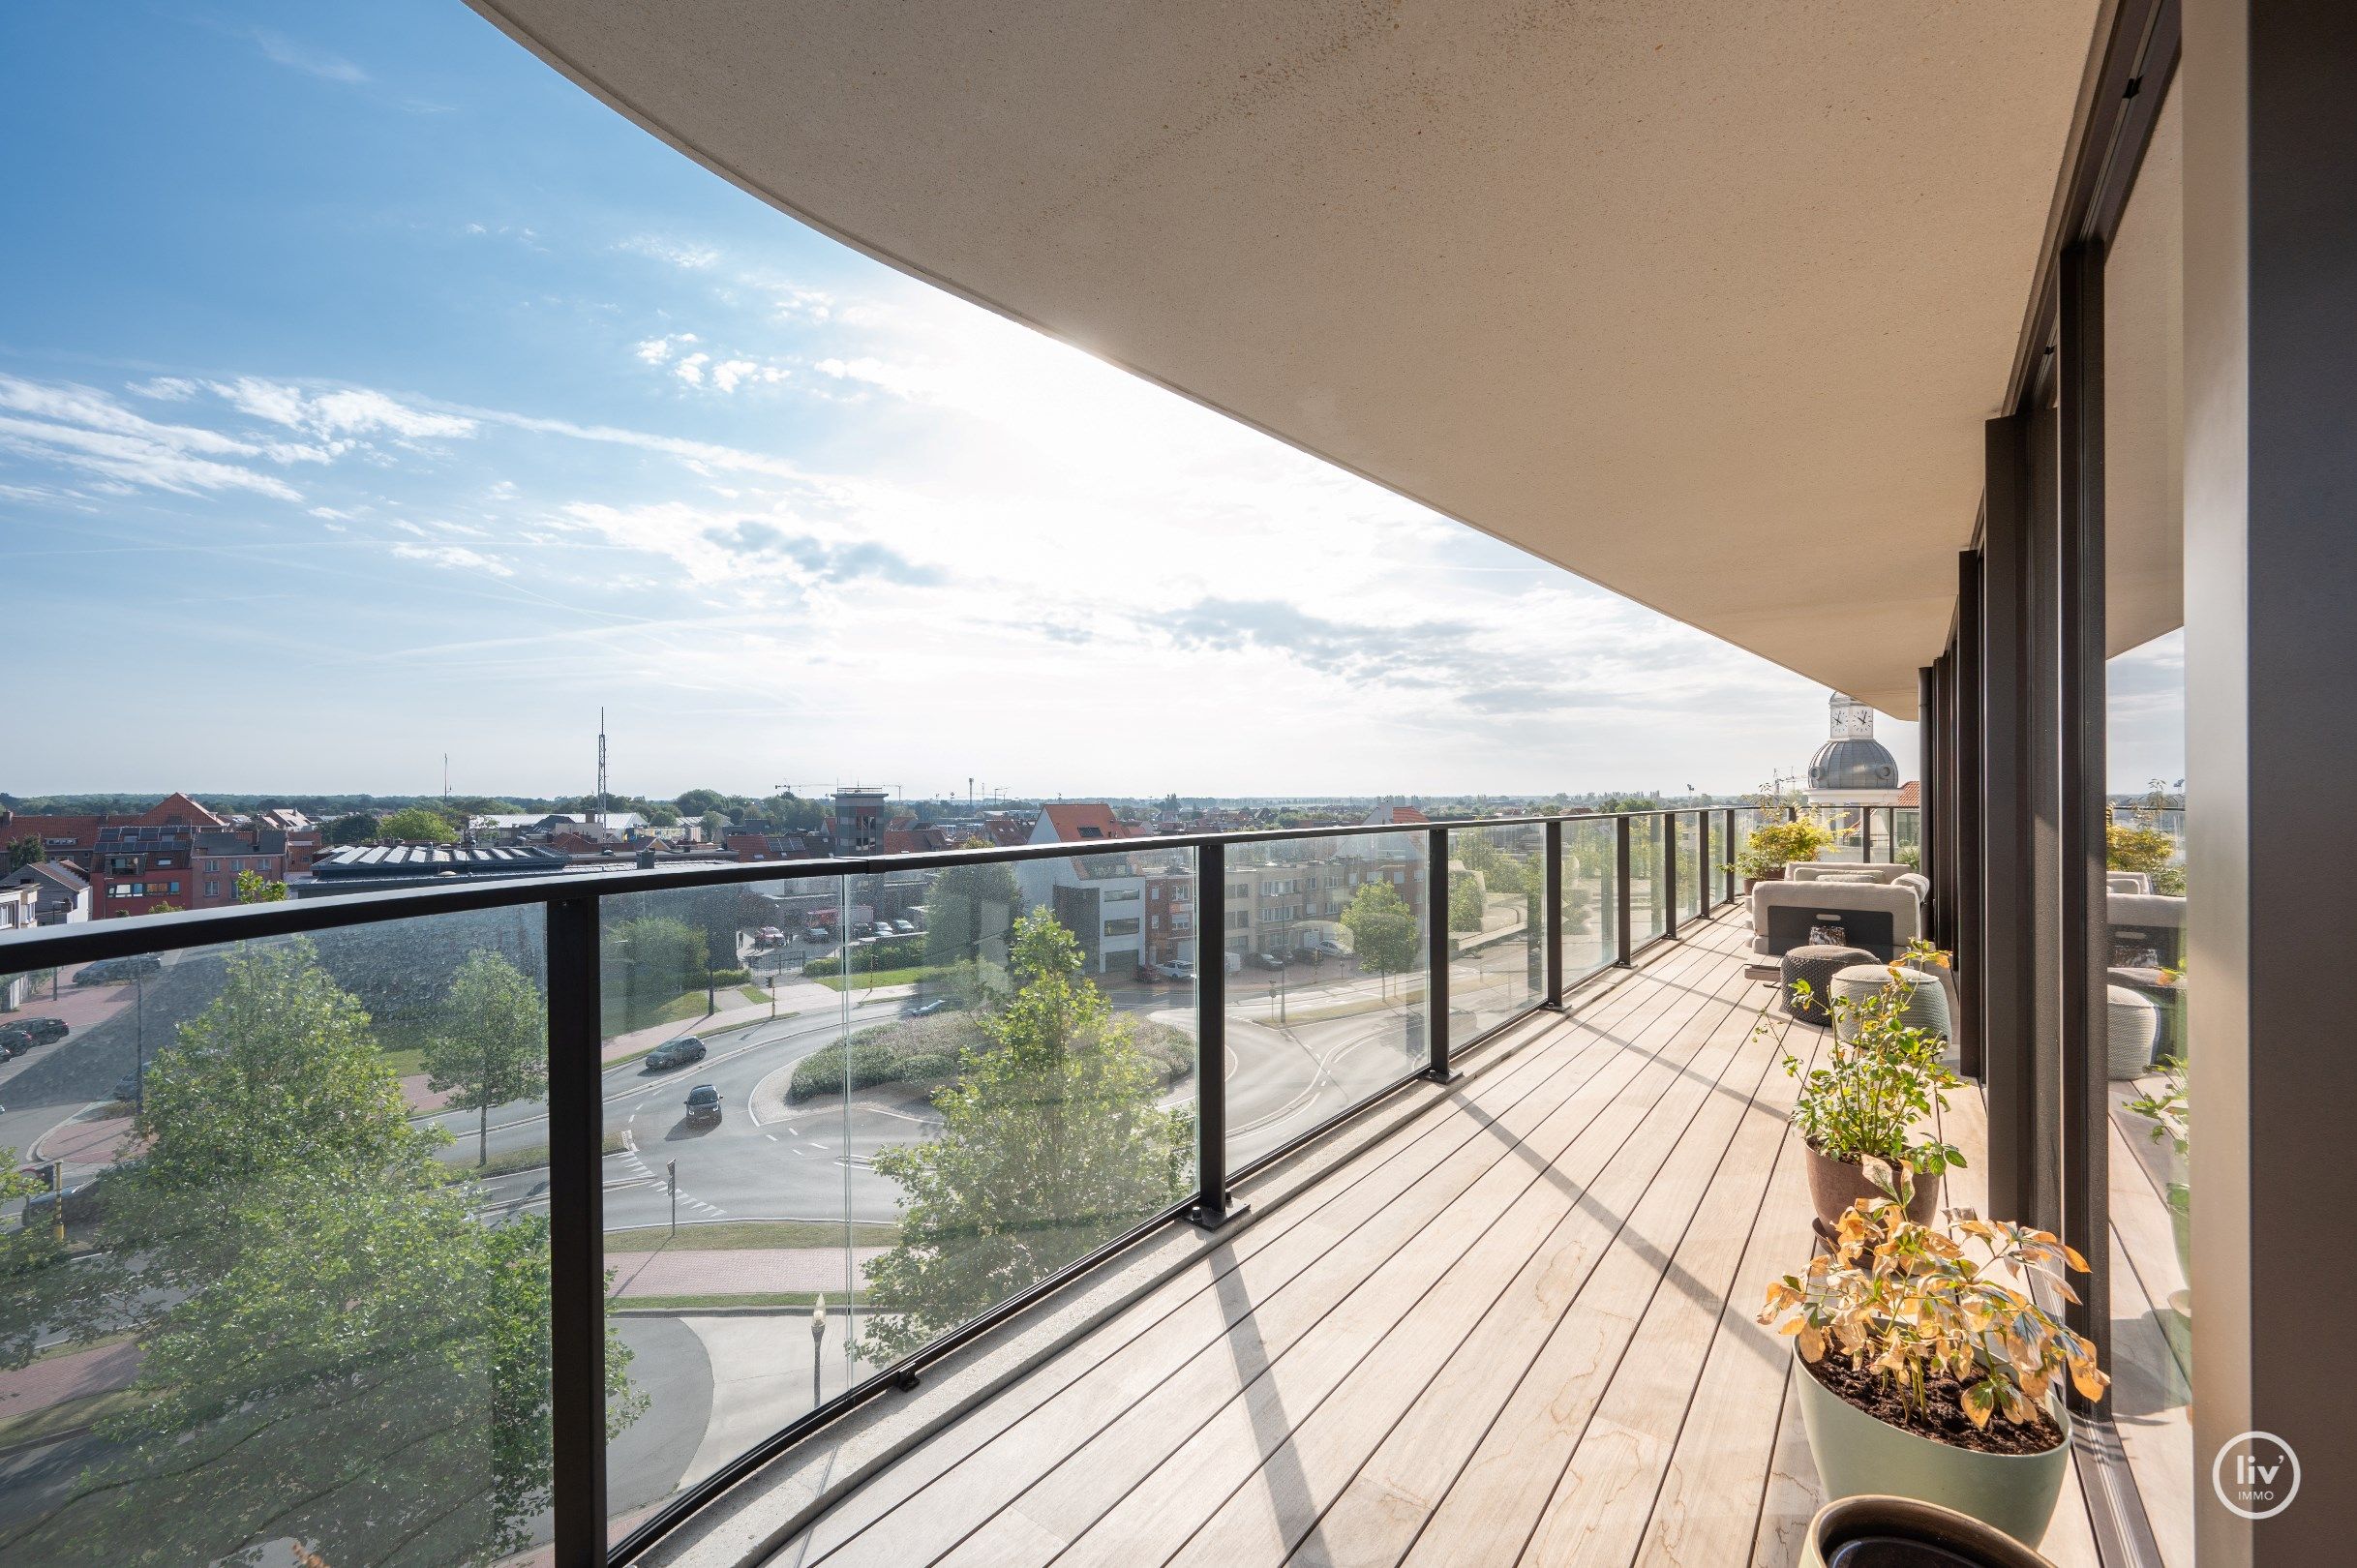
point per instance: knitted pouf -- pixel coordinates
(1816, 965)
(1926, 1008)
(2135, 1023)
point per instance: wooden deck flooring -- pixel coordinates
(1522, 1331)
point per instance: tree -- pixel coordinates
(1383, 929)
(1467, 901)
(655, 958)
(492, 1047)
(714, 825)
(1050, 1145)
(968, 912)
(336, 1351)
(353, 827)
(415, 825)
(26, 850)
(701, 803)
(252, 888)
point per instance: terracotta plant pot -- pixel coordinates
(1858, 1455)
(1883, 1532)
(1836, 1184)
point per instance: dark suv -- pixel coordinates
(703, 1106)
(45, 1030)
(674, 1053)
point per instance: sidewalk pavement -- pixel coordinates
(96, 1141)
(748, 1271)
(55, 1380)
(803, 997)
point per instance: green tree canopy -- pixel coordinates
(1384, 929)
(492, 1048)
(26, 850)
(252, 888)
(1467, 901)
(353, 828)
(1052, 1145)
(415, 825)
(336, 1351)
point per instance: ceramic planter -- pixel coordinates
(1836, 1184)
(1899, 1524)
(1858, 1455)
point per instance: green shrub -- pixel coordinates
(732, 977)
(928, 1068)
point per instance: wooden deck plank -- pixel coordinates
(1794, 1493)
(1496, 1499)
(1707, 1508)
(1139, 1486)
(1557, 1236)
(1273, 1294)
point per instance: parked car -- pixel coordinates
(904, 928)
(45, 1030)
(83, 1200)
(768, 936)
(674, 1053)
(1181, 970)
(12, 1046)
(1269, 960)
(928, 1009)
(703, 1106)
(117, 971)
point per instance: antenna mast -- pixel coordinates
(601, 767)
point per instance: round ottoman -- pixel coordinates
(1816, 965)
(2135, 1023)
(2168, 997)
(1926, 1008)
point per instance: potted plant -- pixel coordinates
(1887, 1532)
(1775, 845)
(1881, 1078)
(1929, 1370)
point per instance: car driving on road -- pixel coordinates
(673, 1053)
(703, 1106)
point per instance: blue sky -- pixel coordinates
(367, 392)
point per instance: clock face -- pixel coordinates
(1852, 721)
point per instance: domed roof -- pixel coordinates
(1852, 765)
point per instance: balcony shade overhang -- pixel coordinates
(1706, 304)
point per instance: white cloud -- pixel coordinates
(728, 373)
(455, 558)
(165, 388)
(348, 411)
(674, 252)
(280, 49)
(690, 369)
(83, 428)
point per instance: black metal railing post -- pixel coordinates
(575, 1195)
(1702, 863)
(1620, 885)
(1551, 902)
(1437, 957)
(1866, 845)
(1665, 825)
(1211, 1208)
(1727, 868)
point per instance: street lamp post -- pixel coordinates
(818, 1340)
(138, 1043)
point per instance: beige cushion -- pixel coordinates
(1906, 911)
(1878, 870)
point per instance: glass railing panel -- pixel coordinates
(1497, 926)
(282, 1290)
(1648, 887)
(1692, 891)
(731, 1196)
(1591, 903)
(1325, 950)
(1847, 824)
(1026, 1094)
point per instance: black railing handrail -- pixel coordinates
(49, 947)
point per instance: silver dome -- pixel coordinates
(1842, 766)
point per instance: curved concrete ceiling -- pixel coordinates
(1705, 303)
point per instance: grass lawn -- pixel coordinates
(625, 1010)
(748, 1235)
(67, 1415)
(508, 1162)
(870, 979)
(758, 995)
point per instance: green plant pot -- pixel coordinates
(1858, 1455)
(1834, 1185)
(1900, 1523)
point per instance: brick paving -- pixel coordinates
(55, 1380)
